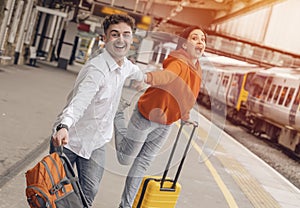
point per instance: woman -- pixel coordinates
(172, 95)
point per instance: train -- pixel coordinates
(264, 100)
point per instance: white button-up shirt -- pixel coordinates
(93, 102)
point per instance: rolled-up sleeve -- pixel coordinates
(137, 74)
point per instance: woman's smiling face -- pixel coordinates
(196, 44)
(118, 39)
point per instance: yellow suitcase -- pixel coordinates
(161, 191)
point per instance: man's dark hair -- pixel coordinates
(116, 19)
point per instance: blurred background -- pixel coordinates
(263, 32)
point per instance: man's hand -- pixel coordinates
(61, 137)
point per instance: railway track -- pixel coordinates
(281, 159)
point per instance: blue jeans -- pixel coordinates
(90, 171)
(140, 143)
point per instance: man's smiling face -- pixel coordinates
(118, 39)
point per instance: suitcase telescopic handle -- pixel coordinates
(182, 124)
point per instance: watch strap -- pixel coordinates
(60, 126)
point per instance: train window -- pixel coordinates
(271, 92)
(267, 88)
(209, 76)
(257, 84)
(248, 81)
(289, 97)
(257, 91)
(218, 79)
(277, 94)
(297, 99)
(283, 95)
(225, 80)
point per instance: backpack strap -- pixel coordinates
(59, 186)
(73, 178)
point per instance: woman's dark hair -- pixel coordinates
(116, 19)
(185, 34)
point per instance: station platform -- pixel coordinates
(218, 171)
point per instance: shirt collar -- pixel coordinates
(111, 63)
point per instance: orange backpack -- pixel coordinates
(52, 183)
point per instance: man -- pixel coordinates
(86, 123)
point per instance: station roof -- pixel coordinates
(173, 15)
(222, 9)
(203, 12)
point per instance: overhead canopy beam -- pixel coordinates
(248, 7)
(52, 11)
(201, 4)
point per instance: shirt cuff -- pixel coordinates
(67, 121)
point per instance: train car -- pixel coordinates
(266, 101)
(273, 106)
(223, 85)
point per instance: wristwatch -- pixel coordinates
(60, 126)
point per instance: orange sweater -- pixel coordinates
(173, 90)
